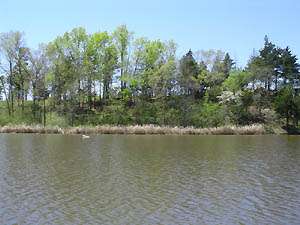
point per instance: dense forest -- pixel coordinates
(114, 78)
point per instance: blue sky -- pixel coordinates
(236, 26)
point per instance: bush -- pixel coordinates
(145, 113)
(53, 119)
(170, 117)
(208, 115)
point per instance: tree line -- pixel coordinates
(115, 78)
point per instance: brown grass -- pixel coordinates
(139, 130)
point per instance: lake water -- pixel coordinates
(111, 179)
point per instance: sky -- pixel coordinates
(234, 26)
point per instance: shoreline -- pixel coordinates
(137, 130)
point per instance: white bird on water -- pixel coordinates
(85, 136)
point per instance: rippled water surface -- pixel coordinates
(55, 179)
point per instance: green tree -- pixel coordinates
(39, 67)
(227, 65)
(14, 66)
(237, 80)
(286, 104)
(288, 66)
(122, 39)
(189, 71)
(102, 54)
(269, 57)
(149, 57)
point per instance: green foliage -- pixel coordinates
(208, 115)
(53, 119)
(237, 80)
(227, 65)
(189, 72)
(287, 105)
(145, 113)
(114, 78)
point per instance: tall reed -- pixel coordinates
(137, 129)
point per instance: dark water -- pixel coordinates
(54, 179)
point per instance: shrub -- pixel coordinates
(53, 119)
(208, 115)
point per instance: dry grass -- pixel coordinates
(140, 130)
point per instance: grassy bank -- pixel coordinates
(140, 130)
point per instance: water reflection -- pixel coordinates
(112, 179)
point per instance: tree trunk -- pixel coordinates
(90, 93)
(22, 86)
(11, 88)
(6, 98)
(123, 83)
(22, 95)
(79, 95)
(44, 111)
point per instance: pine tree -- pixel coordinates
(288, 67)
(228, 64)
(189, 71)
